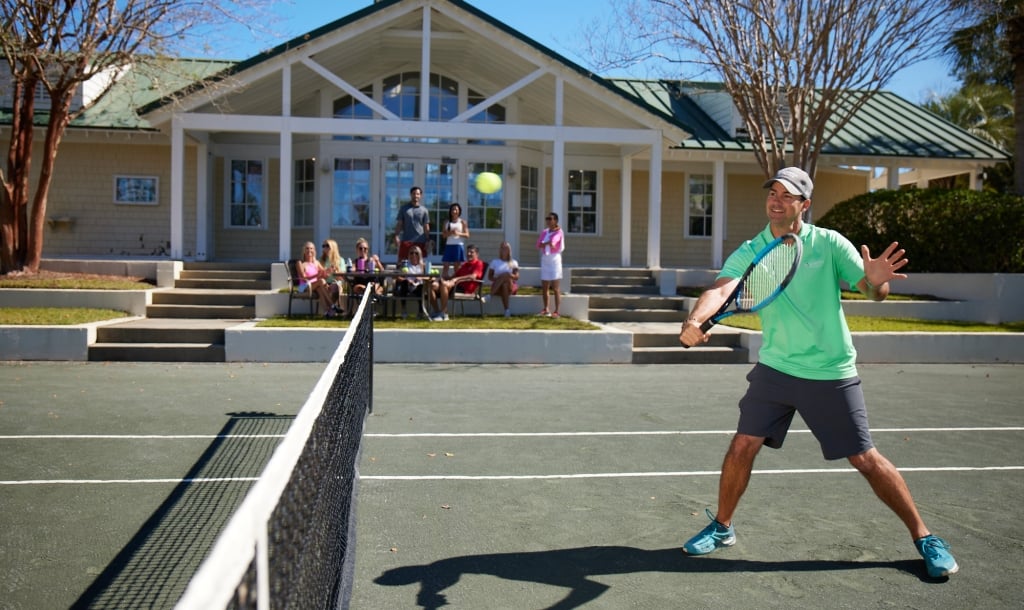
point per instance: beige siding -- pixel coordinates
(83, 191)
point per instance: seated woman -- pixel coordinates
(313, 277)
(411, 285)
(365, 262)
(504, 275)
(330, 258)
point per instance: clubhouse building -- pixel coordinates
(324, 135)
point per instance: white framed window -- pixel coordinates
(304, 197)
(529, 198)
(699, 205)
(583, 202)
(350, 199)
(483, 210)
(136, 190)
(246, 200)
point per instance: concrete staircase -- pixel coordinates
(186, 323)
(629, 299)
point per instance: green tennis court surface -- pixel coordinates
(510, 486)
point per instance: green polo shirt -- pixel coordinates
(804, 330)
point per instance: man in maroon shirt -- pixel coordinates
(466, 280)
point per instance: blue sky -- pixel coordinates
(557, 24)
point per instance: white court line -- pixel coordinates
(660, 432)
(471, 434)
(9, 437)
(689, 473)
(523, 477)
(131, 481)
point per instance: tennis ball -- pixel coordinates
(488, 182)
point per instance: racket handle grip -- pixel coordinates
(706, 326)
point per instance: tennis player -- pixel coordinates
(807, 365)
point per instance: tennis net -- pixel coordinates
(291, 543)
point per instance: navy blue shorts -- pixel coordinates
(454, 253)
(834, 411)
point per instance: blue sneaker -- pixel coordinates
(936, 555)
(710, 538)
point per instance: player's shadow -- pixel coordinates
(572, 568)
(153, 569)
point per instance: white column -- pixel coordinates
(202, 200)
(717, 213)
(626, 207)
(284, 237)
(177, 187)
(892, 178)
(654, 206)
(559, 173)
(425, 66)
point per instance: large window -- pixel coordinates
(529, 197)
(350, 204)
(699, 198)
(483, 210)
(400, 94)
(582, 216)
(305, 193)
(245, 194)
(348, 107)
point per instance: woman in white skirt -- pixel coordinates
(551, 244)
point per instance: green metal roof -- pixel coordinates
(886, 126)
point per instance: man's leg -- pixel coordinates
(890, 487)
(736, 467)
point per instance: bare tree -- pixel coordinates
(52, 47)
(797, 70)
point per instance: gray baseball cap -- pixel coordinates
(796, 181)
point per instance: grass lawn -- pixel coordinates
(56, 316)
(872, 324)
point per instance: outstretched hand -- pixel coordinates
(880, 270)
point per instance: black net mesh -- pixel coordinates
(311, 531)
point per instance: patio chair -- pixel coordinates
(294, 281)
(464, 297)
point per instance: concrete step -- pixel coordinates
(204, 297)
(635, 315)
(233, 274)
(156, 352)
(718, 339)
(613, 288)
(694, 355)
(226, 266)
(162, 334)
(205, 312)
(222, 284)
(637, 301)
(638, 272)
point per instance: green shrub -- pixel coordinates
(943, 231)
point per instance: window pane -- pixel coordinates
(582, 210)
(699, 205)
(484, 210)
(350, 205)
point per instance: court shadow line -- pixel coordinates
(154, 567)
(571, 569)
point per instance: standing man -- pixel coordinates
(807, 364)
(413, 226)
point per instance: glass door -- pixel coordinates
(436, 178)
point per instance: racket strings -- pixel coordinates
(767, 276)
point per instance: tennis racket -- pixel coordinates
(764, 280)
